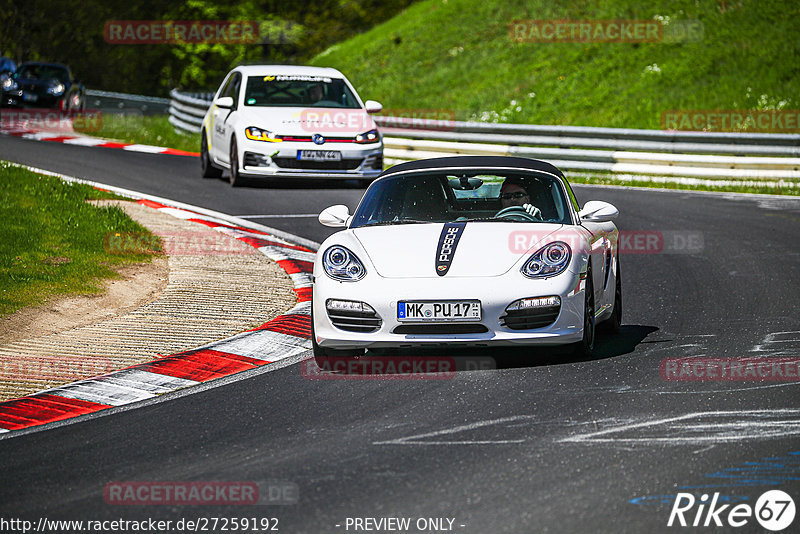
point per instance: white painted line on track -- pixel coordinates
(150, 149)
(301, 279)
(97, 390)
(689, 429)
(278, 254)
(146, 381)
(263, 345)
(414, 440)
(84, 141)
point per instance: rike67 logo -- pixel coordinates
(774, 510)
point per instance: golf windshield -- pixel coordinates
(459, 196)
(299, 91)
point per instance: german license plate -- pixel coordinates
(29, 97)
(319, 155)
(439, 310)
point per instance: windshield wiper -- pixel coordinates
(399, 221)
(491, 219)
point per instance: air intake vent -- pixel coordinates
(252, 159)
(343, 165)
(441, 328)
(530, 318)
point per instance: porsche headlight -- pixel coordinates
(550, 260)
(258, 134)
(341, 264)
(9, 84)
(367, 137)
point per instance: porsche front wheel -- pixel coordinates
(585, 346)
(613, 323)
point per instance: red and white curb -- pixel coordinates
(69, 138)
(284, 336)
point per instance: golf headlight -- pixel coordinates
(367, 137)
(341, 264)
(56, 89)
(9, 84)
(549, 260)
(257, 134)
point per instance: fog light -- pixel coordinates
(348, 306)
(534, 302)
(253, 159)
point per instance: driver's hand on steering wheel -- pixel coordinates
(532, 210)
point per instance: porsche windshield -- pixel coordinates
(299, 91)
(458, 196)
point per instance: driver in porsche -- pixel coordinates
(513, 193)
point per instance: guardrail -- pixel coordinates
(616, 150)
(111, 102)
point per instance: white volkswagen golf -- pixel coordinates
(290, 122)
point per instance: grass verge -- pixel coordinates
(459, 56)
(144, 129)
(52, 242)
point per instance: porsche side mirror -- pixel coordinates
(335, 216)
(598, 211)
(224, 102)
(372, 106)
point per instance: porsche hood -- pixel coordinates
(456, 249)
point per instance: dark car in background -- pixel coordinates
(48, 85)
(7, 67)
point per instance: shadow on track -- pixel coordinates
(466, 359)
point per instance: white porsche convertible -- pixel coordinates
(471, 250)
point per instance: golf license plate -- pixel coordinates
(439, 310)
(319, 155)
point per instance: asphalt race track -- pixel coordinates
(537, 442)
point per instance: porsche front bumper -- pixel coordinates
(494, 294)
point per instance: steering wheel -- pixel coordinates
(516, 213)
